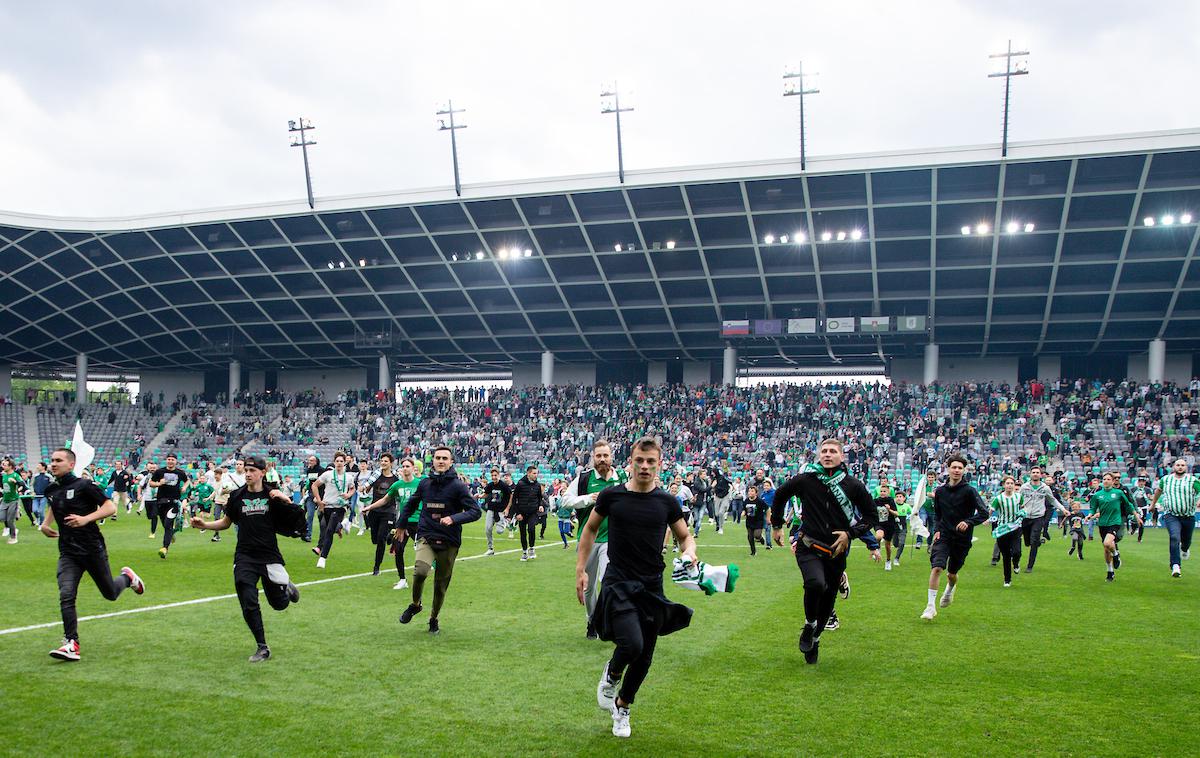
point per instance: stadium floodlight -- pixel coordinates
(769, 239)
(502, 253)
(341, 264)
(330, 264)
(1168, 219)
(1029, 226)
(965, 230)
(617, 247)
(479, 255)
(981, 229)
(1012, 227)
(794, 84)
(454, 257)
(528, 253)
(1148, 221)
(1011, 68)
(1186, 218)
(362, 261)
(826, 236)
(798, 238)
(783, 239)
(841, 236)
(447, 125)
(856, 234)
(302, 141)
(614, 106)
(671, 244)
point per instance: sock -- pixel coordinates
(950, 589)
(811, 625)
(932, 597)
(1110, 568)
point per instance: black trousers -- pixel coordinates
(635, 637)
(821, 579)
(165, 508)
(152, 514)
(245, 582)
(1032, 529)
(528, 528)
(380, 526)
(71, 569)
(410, 534)
(329, 527)
(1010, 552)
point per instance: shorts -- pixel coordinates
(949, 554)
(10, 511)
(889, 530)
(1116, 531)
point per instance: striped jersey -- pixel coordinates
(1008, 509)
(1179, 494)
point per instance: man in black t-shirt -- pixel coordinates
(380, 521)
(76, 505)
(496, 499)
(170, 481)
(631, 610)
(312, 471)
(256, 556)
(121, 482)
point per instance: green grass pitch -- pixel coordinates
(1060, 664)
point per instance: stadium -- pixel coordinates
(1035, 310)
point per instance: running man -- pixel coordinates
(121, 482)
(527, 503)
(256, 558)
(10, 501)
(445, 505)
(76, 505)
(631, 610)
(835, 508)
(581, 494)
(885, 506)
(1177, 492)
(169, 482)
(497, 497)
(1111, 508)
(379, 519)
(1035, 493)
(957, 510)
(339, 488)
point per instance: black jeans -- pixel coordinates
(245, 582)
(1032, 529)
(329, 527)
(165, 507)
(71, 569)
(528, 528)
(635, 638)
(410, 534)
(380, 525)
(821, 579)
(1010, 552)
(152, 514)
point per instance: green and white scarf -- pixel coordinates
(834, 483)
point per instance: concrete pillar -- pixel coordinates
(547, 368)
(81, 373)
(729, 367)
(235, 378)
(385, 374)
(656, 373)
(931, 363)
(6, 380)
(1157, 356)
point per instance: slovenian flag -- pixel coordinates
(735, 328)
(84, 453)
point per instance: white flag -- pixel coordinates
(84, 453)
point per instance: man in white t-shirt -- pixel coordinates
(229, 481)
(331, 494)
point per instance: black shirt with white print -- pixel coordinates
(172, 483)
(256, 540)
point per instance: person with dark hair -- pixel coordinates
(1111, 507)
(632, 611)
(256, 558)
(331, 493)
(957, 510)
(10, 501)
(834, 508)
(497, 498)
(444, 504)
(885, 506)
(312, 471)
(169, 481)
(756, 510)
(1177, 492)
(1036, 495)
(379, 514)
(581, 494)
(1008, 514)
(527, 504)
(76, 505)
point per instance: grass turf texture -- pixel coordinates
(1061, 663)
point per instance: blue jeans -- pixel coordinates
(39, 508)
(310, 508)
(1179, 529)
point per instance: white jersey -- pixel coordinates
(336, 487)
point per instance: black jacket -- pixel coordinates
(822, 514)
(526, 496)
(443, 495)
(954, 504)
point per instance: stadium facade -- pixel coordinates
(1070, 257)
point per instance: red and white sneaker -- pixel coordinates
(135, 582)
(68, 652)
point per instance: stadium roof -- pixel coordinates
(1049, 251)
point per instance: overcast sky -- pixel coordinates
(122, 108)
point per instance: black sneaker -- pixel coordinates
(434, 628)
(1029, 570)
(833, 622)
(810, 656)
(1110, 577)
(591, 632)
(409, 612)
(844, 586)
(293, 593)
(217, 538)
(806, 639)
(260, 655)
(306, 539)
(1116, 561)
(375, 572)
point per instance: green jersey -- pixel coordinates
(1178, 494)
(400, 492)
(9, 483)
(1008, 511)
(201, 494)
(596, 484)
(1113, 507)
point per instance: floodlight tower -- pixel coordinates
(1012, 68)
(302, 141)
(794, 84)
(447, 125)
(614, 106)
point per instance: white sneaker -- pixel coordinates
(620, 721)
(1186, 554)
(532, 553)
(400, 585)
(320, 563)
(929, 613)
(1008, 584)
(947, 598)
(6, 534)
(346, 526)
(13, 539)
(1016, 569)
(606, 691)
(887, 566)
(1175, 571)
(720, 531)
(896, 561)
(524, 555)
(490, 552)
(361, 531)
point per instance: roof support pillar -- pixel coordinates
(547, 368)
(235, 379)
(729, 367)
(1157, 358)
(81, 374)
(931, 363)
